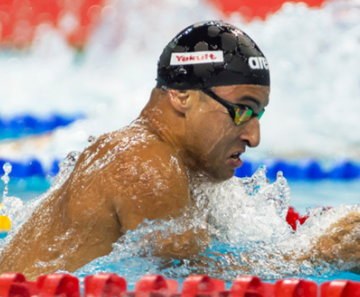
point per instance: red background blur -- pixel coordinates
(76, 19)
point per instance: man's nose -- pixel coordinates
(251, 132)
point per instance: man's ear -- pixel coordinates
(181, 100)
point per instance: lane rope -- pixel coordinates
(112, 285)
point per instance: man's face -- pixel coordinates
(214, 142)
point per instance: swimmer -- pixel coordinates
(213, 85)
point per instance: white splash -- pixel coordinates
(245, 218)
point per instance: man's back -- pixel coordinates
(123, 178)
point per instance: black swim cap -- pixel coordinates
(211, 54)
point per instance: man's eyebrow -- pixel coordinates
(249, 98)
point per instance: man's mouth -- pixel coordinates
(234, 160)
(236, 156)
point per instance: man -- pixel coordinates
(212, 87)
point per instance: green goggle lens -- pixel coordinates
(239, 113)
(244, 115)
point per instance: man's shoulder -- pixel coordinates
(137, 150)
(130, 137)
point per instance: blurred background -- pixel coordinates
(71, 69)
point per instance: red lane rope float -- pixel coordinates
(202, 285)
(58, 285)
(251, 286)
(250, 9)
(20, 18)
(105, 285)
(112, 285)
(151, 285)
(293, 217)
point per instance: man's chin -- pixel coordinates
(221, 174)
(214, 174)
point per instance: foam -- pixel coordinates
(245, 218)
(246, 221)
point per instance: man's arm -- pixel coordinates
(340, 245)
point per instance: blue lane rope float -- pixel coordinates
(25, 125)
(302, 169)
(25, 169)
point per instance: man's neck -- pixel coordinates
(164, 122)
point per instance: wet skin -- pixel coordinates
(213, 137)
(140, 172)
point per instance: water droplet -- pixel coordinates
(66, 167)
(5, 178)
(91, 139)
(7, 167)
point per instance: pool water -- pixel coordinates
(28, 188)
(304, 195)
(309, 194)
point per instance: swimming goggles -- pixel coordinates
(238, 112)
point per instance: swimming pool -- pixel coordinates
(125, 262)
(304, 194)
(305, 80)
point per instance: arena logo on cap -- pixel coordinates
(202, 57)
(258, 63)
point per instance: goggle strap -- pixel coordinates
(261, 114)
